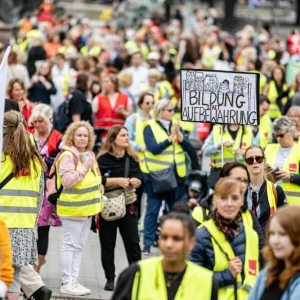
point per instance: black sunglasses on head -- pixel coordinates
(258, 159)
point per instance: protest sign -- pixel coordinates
(219, 97)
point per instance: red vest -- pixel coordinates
(106, 116)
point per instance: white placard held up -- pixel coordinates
(219, 97)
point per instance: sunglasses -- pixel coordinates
(170, 110)
(276, 136)
(258, 159)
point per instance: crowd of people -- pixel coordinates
(93, 141)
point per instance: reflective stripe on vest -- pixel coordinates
(242, 142)
(19, 197)
(265, 130)
(149, 282)
(82, 200)
(173, 153)
(221, 245)
(291, 165)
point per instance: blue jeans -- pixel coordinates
(153, 206)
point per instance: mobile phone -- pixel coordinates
(274, 173)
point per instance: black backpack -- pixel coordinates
(62, 118)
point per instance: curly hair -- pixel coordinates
(17, 144)
(288, 218)
(68, 137)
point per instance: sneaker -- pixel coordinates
(146, 251)
(86, 290)
(72, 289)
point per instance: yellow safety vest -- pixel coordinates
(271, 197)
(262, 80)
(19, 197)
(200, 214)
(162, 161)
(274, 111)
(149, 283)
(132, 47)
(242, 142)
(21, 46)
(139, 135)
(251, 268)
(265, 130)
(93, 51)
(82, 200)
(291, 165)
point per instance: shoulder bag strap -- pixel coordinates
(127, 161)
(6, 180)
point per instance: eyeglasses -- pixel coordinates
(258, 159)
(170, 110)
(281, 135)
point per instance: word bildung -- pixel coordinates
(219, 97)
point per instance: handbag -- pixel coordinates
(115, 207)
(163, 180)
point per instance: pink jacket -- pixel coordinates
(69, 175)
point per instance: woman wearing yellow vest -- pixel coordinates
(280, 279)
(263, 197)
(226, 246)
(273, 89)
(236, 139)
(284, 158)
(294, 115)
(78, 173)
(238, 171)
(22, 195)
(170, 276)
(165, 143)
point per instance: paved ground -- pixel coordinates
(91, 272)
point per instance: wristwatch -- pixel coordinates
(291, 178)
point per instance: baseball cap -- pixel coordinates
(195, 185)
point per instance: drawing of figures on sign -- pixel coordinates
(199, 81)
(190, 81)
(220, 97)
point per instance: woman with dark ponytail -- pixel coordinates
(21, 194)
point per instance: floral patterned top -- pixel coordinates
(48, 216)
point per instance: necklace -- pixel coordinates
(171, 278)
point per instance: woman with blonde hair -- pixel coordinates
(79, 179)
(122, 176)
(22, 192)
(164, 166)
(125, 81)
(281, 277)
(47, 140)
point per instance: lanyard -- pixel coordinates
(255, 205)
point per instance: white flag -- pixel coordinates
(3, 79)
